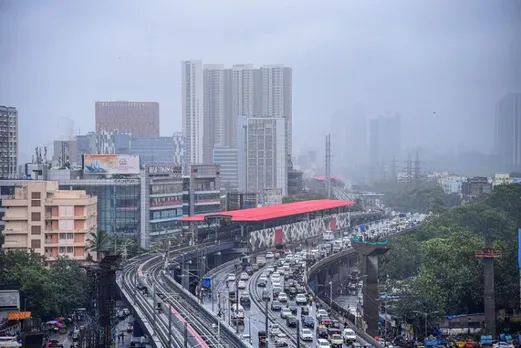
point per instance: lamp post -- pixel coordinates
(331, 295)
(426, 315)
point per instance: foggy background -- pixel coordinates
(442, 65)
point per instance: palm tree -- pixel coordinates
(99, 242)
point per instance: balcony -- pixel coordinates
(22, 217)
(49, 216)
(14, 203)
(13, 231)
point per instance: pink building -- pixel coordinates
(50, 221)
(141, 119)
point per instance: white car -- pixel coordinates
(231, 277)
(283, 297)
(276, 284)
(274, 329)
(349, 336)
(301, 299)
(322, 343)
(241, 285)
(270, 270)
(269, 255)
(322, 313)
(244, 276)
(286, 312)
(502, 345)
(306, 335)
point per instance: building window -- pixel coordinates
(35, 230)
(35, 244)
(69, 250)
(36, 195)
(36, 217)
(62, 250)
(70, 236)
(36, 203)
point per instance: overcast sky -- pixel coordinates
(416, 57)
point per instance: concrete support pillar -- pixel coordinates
(185, 276)
(490, 304)
(371, 296)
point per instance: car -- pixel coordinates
(245, 299)
(276, 284)
(274, 329)
(306, 334)
(231, 277)
(284, 313)
(269, 255)
(262, 282)
(323, 343)
(293, 308)
(283, 297)
(308, 321)
(241, 284)
(304, 310)
(266, 294)
(276, 290)
(322, 332)
(322, 313)
(280, 342)
(276, 305)
(336, 341)
(301, 299)
(291, 321)
(349, 336)
(244, 276)
(270, 269)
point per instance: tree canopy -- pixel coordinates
(420, 200)
(437, 261)
(45, 291)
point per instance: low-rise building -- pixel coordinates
(476, 186)
(501, 179)
(451, 184)
(52, 222)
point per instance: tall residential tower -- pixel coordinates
(192, 110)
(8, 142)
(508, 130)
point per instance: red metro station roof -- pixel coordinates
(274, 211)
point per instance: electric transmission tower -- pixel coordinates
(408, 171)
(417, 171)
(394, 175)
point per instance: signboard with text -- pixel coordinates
(164, 169)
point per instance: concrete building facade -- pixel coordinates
(228, 160)
(50, 221)
(192, 101)
(507, 130)
(8, 142)
(141, 119)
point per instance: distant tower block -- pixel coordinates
(488, 255)
(370, 251)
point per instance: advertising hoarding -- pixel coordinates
(110, 164)
(9, 299)
(271, 196)
(162, 169)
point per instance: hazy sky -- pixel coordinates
(454, 57)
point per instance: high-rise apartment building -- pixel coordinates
(8, 142)
(192, 101)
(240, 99)
(50, 221)
(262, 157)
(507, 137)
(227, 159)
(384, 139)
(273, 88)
(213, 114)
(140, 119)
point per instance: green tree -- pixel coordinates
(99, 243)
(403, 259)
(69, 283)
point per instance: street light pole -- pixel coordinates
(266, 323)
(331, 295)
(425, 315)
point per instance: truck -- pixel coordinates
(328, 236)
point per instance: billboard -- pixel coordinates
(9, 299)
(110, 164)
(164, 169)
(271, 197)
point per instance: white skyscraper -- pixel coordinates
(273, 88)
(240, 99)
(262, 159)
(213, 85)
(192, 110)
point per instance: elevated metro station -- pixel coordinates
(257, 229)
